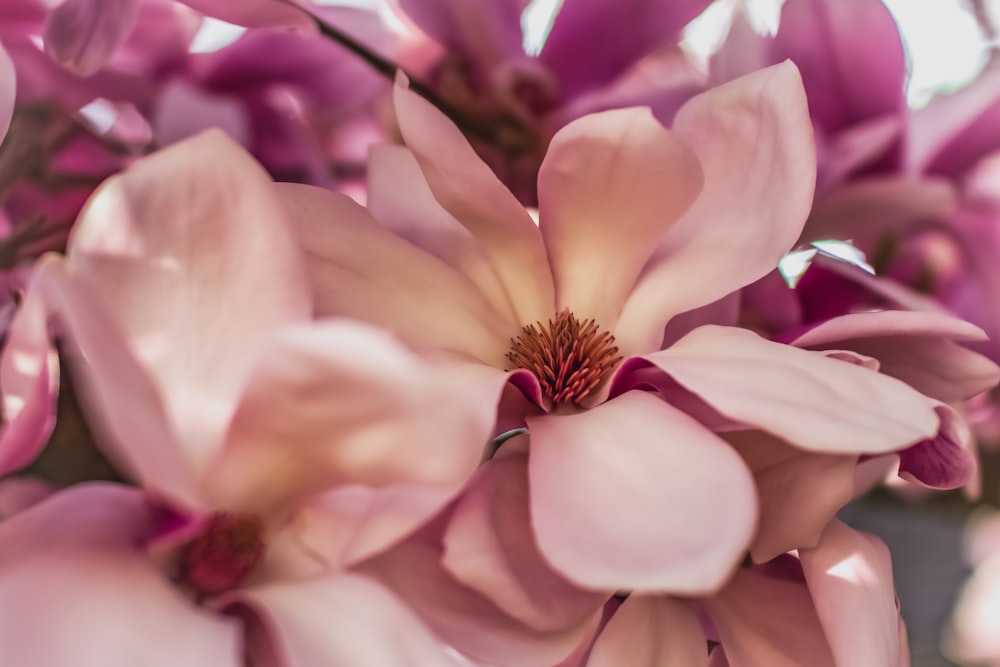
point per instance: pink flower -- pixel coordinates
(80, 585)
(285, 450)
(636, 225)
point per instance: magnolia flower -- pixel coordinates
(636, 225)
(273, 452)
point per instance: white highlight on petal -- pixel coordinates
(704, 35)
(536, 24)
(214, 35)
(944, 45)
(795, 263)
(100, 115)
(845, 251)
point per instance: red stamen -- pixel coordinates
(570, 358)
(223, 554)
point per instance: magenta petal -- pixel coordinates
(256, 13)
(625, 30)
(488, 32)
(29, 377)
(864, 210)
(651, 631)
(8, 87)
(489, 546)
(594, 475)
(850, 55)
(945, 461)
(82, 35)
(855, 148)
(610, 186)
(753, 138)
(341, 619)
(806, 398)
(849, 575)
(467, 188)
(340, 402)
(77, 550)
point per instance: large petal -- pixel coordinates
(467, 189)
(487, 32)
(806, 398)
(769, 621)
(849, 575)
(648, 631)
(850, 55)
(82, 35)
(124, 408)
(753, 138)
(626, 31)
(197, 263)
(489, 546)
(340, 619)
(29, 378)
(359, 269)
(76, 590)
(343, 403)
(611, 184)
(634, 494)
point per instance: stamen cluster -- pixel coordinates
(223, 554)
(570, 358)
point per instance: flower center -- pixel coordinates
(569, 357)
(223, 554)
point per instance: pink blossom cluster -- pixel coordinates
(399, 344)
